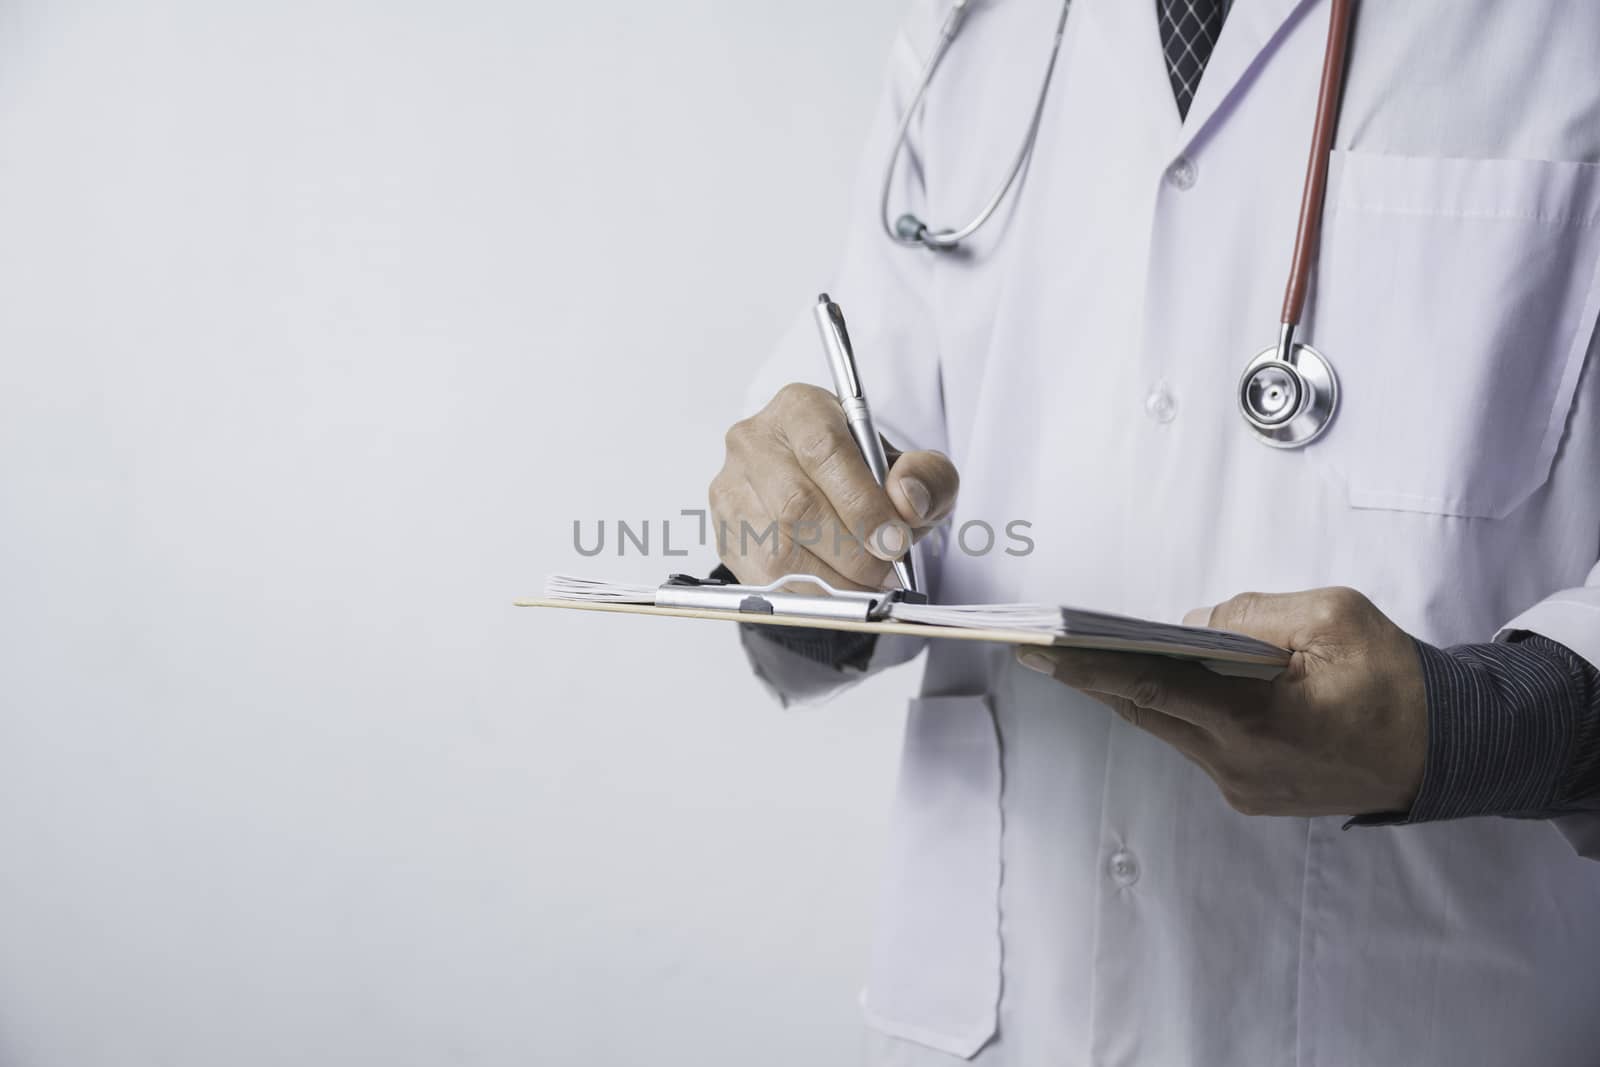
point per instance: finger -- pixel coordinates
(1181, 690)
(764, 455)
(923, 487)
(803, 515)
(1296, 621)
(1186, 737)
(1197, 617)
(758, 549)
(829, 458)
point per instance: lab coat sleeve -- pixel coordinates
(1571, 618)
(883, 289)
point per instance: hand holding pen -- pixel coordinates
(796, 473)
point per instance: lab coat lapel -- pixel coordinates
(1132, 35)
(1254, 28)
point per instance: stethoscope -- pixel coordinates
(1288, 393)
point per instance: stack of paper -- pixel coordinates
(596, 591)
(1080, 623)
(990, 622)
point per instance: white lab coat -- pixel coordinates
(1064, 889)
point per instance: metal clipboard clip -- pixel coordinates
(687, 591)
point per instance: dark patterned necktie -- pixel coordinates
(1189, 31)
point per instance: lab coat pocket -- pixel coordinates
(934, 976)
(1456, 299)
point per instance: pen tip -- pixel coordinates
(822, 298)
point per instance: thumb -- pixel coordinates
(923, 487)
(1295, 621)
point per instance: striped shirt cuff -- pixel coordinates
(835, 649)
(1501, 726)
(1513, 729)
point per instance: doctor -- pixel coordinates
(1103, 859)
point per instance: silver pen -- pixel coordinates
(853, 398)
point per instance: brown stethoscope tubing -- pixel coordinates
(1316, 187)
(1289, 393)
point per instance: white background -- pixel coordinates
(319, 324)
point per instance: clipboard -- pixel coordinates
(688, 597)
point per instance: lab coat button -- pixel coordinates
(1160, 404)
(1183, 173)
(1123, 867)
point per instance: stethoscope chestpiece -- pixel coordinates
(1288, 402)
